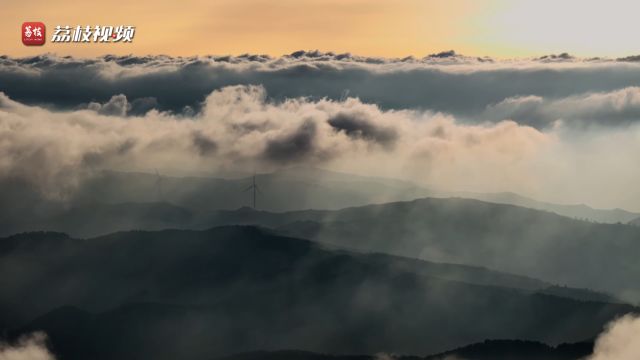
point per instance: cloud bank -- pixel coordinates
(619, 341)
(29, 347)
(446, 82)
(618, 108)
(557, 128)
(240, 129)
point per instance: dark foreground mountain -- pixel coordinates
(199, 294)
(512, 239)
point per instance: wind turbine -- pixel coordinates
(255, 189)
(344, 95)
(158, 185)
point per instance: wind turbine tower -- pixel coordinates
(158, 185)
(254, 187)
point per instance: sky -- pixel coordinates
(497, 28)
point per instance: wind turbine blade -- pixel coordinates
(247, 189)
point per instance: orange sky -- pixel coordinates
(366, 27)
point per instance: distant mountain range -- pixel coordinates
(202, 294)
(298, 188)
(508, 238)
(486, 350)
(113, 201)
(578, 211)
(286, 190)
(512, 239)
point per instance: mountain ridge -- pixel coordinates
(235, 288)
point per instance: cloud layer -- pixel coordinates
(617, 108)
(30, 347)
(556, 128)
(447, 82)
(240, 129)
(619, 341)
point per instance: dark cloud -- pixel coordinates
(204, 145)
(632, 58)
(444, 54)
(556, 57)
(141, 106)
(293, 147)
(98, 157)
(357, 125)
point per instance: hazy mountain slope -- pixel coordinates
(86, 220)
(487, 350)
(635, 222)
(293, 189)
(577, 211)
(186, 294)
(517, 350)
(298, 189)
(105, 218)
(507, 238)
(115, 201)
(299, 355)
(100, 219)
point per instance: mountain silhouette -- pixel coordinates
(201, 294)
(512, 239)
(300, 188)
(486, 350)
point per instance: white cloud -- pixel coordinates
(28, 347)
(619, 341)
(240, 129)
(602, 109)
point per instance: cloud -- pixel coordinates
(296, 145)
(239, 128)
(446, 82)
(619, 341)
(605, 109)
(359, 126)
(203, 144)
(242, 129)
(117, 105)
(28, 347)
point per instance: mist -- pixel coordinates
(619, 341)
(28, 347)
